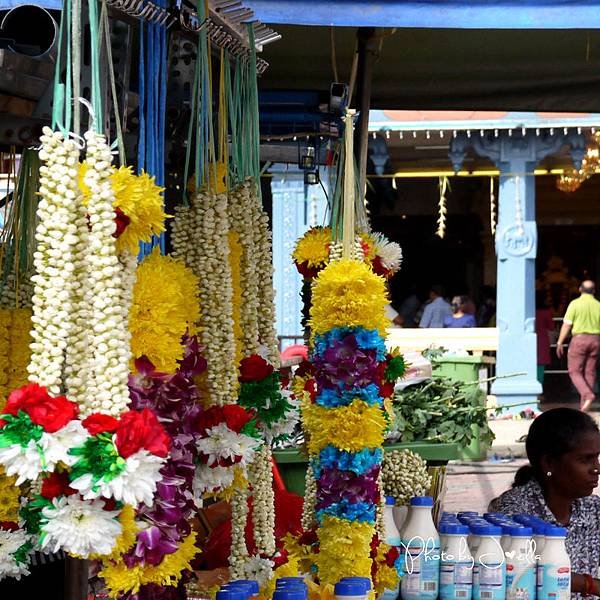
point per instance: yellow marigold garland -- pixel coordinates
(344, 547)
(235, 261)
(4, 352)
(349, 428)
(128, 536)
(348, 294)
(140, 199)
(165, 305)
(121, 579)
(19, 347)
(9, 498)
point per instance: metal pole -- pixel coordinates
(76, 579)
(368, 53)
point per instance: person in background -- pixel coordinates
(459, 318)
(557, 486)
(582, 321)
(410, 307)
(543, 326)
(392, 314)
(436, 310)
(487, 308)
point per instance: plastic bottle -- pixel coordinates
(289, 580)
(350, 590)
(392, 538)
(520, 565)
(233, 594)
(245, 587)
(456, 565)
(294, 587)
(554, 567)
(420, 552)
(465, 515)
(489, 569)
(505, 540)
(522, 519)
(495, 515)
(473, 539)
(365, 581)
(287, 594)
(539, 537)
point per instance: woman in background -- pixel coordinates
(459, 317)
(543, 326)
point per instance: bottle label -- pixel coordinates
(456, 580)
(554, 582)
(421, 563)
(520, 582)
(489, 581)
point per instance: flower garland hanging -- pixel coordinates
(15, 550)
(346, 420)
(159, 321)
(56, 240)
(5, 323)
(19, 354)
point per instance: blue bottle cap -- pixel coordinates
(552, 531)
(254, 588)
(538, 528)
(289, 593)
(448, 514)
(421, 501)
(521, 518)
(364, 580)
(231, 594)
(290, 580)
(457, 530)
(520, 531)
(389, 501)
(506, 527)
(484, 530)
(467, 513)
(349, 588)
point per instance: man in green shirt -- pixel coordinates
(582, 320)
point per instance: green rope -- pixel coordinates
(95, 67)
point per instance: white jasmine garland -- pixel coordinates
(109, 343)
(79, 527)
(260, 474)
(310, 497)
(135, 485)
(10, 543)
(200, 238)
(259, 569)
(53, 259)
(238, 555)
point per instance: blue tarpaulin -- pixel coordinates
(461, 14)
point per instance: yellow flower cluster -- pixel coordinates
(386, 578)
(140, 199)
(121, 579)
(9, 498)
(313, 247)
(348, 294)
(165, 305)
(128, 535)
(235, 261)
(344, 549)
(349, 428)
(15, 325)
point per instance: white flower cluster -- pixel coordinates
(79, 527)
(259, 569)
(336, 250)
(109, 349)
(10, 543)
(53, 259)
(390, 253)
(200, 238)
(260, 475)
(241, 220)
(224, 444)
(287, 424)
(238, 555)
(211, 480)
(16, 294)
(404, 475)
(309, 518)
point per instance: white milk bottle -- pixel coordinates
(554, 567)
(489, 569)
(520, 565)
(456, 565)
(392, 538)
(420, 552)
(539, 536)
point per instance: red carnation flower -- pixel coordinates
(379, 269)
(98, 423)
(57, 484)
(236, 416)
(140, 430)
(51, 413)
(392, 556)
(254, 368)
(121, 221)
(311, 387)
(304, 368)
(306, 271)
(387, 390)
(9, 525)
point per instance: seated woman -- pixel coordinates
(563, 447)
(459, 317)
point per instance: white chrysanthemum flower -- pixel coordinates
(23, 461)
(259, 569)
(79, 527)
(136, 484)
(389, 252)
(287, 424)
(56, 445)
(11, 542)
(223, 443)
(211, 479)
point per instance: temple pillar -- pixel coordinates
(516, 156)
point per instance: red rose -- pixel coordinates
(121, 221)
(98, 423)
(139, 430)
(24, 397)
(236, 416)
(254, 368)
(57, 484)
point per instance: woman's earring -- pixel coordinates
(549, 474)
